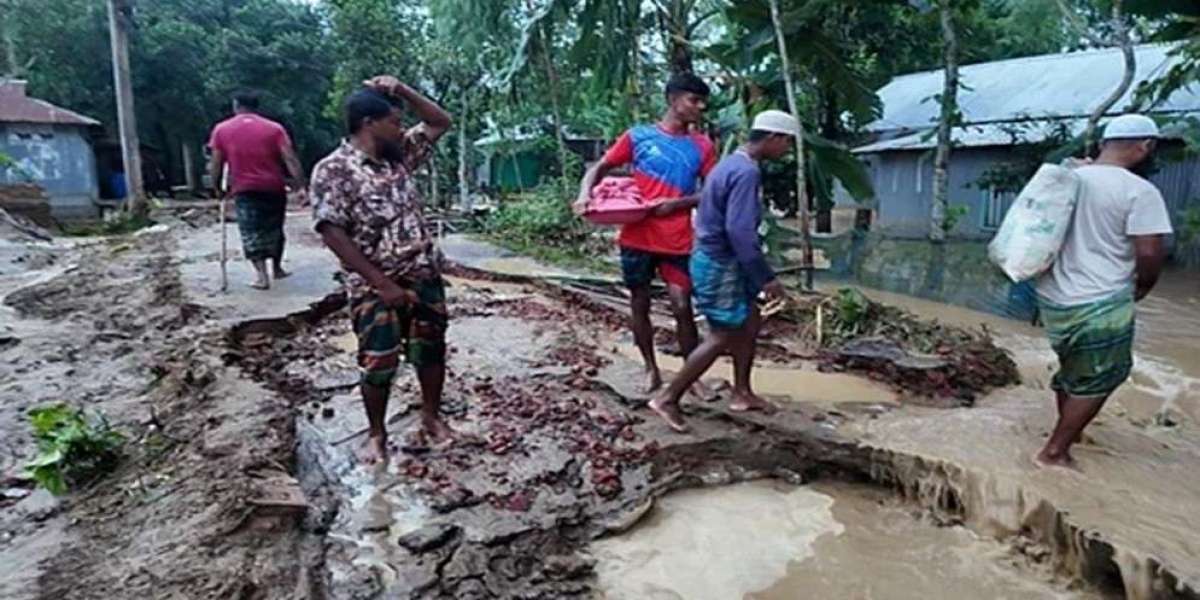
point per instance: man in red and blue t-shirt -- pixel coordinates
(668, 159)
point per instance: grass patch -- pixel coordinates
(122, 224)
(541, 224)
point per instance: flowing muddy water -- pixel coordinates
(1138, 464)
(1166, 375)
(792, 384)
(829, 540)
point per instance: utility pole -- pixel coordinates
(120, 20)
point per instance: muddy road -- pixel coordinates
(239, 479)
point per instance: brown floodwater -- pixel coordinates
(1137, 465)
(1135, 485)
(772, 541)
(1166, 375)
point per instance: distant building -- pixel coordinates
(1005, 105)
(50, 147)
(514, 161)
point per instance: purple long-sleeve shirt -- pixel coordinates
(729, 215)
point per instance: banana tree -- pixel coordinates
(827, 80)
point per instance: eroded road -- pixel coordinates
(240, 403)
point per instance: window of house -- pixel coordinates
(995, 207)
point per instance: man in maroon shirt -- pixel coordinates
(256, 150)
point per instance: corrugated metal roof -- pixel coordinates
(16, 107)
(974, 136)
(1049, 86)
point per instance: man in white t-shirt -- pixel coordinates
(1111, 258)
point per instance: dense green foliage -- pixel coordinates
(589, 67)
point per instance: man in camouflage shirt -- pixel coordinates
(368, 212)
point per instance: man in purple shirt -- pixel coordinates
(728, 268)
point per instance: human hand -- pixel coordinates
(384, 84)
(395, 296)
(665, 208)
(775, 290)
(1075, 163)
(580, 206)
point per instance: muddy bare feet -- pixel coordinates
(374, 451)
(438, 432)
(669, 411)
(749, 401)
(279, 273)
(262, 283)
(652, 381)
(1045, 459)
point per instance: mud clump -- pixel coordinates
(923, 358)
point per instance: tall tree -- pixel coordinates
(1119, 26)
(949, 118)
(794, 109)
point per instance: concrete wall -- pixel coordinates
(60, 159)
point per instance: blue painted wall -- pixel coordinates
(57, 157)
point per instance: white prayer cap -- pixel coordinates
(776, 121)
(1131, 127)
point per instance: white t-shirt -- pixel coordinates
(1097, 259)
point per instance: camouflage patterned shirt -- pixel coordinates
(378, 205)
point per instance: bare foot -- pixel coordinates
(279, 273)
(652, 382)
(669, 411)
(261, 284)
(438, 432)
(1045, 460)
(704, 393)
(748, 401)
(374, 451)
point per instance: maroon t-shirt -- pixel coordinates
(253, 147)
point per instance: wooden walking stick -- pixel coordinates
(224, 253)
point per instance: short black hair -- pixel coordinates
(366, 104)
(246, 99)
(687, 82)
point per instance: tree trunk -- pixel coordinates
(831, 129)
(801, 184)
(1122, 38)
(118, 23)
(189, 167)
(552, 79)
(12, 67)
(949, 117)
(675, 22)
(464, 187)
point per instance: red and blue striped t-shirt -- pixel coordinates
(665, 166)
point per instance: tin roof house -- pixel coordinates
(1006, 105)
(50, 147)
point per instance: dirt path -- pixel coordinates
(231, 397)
